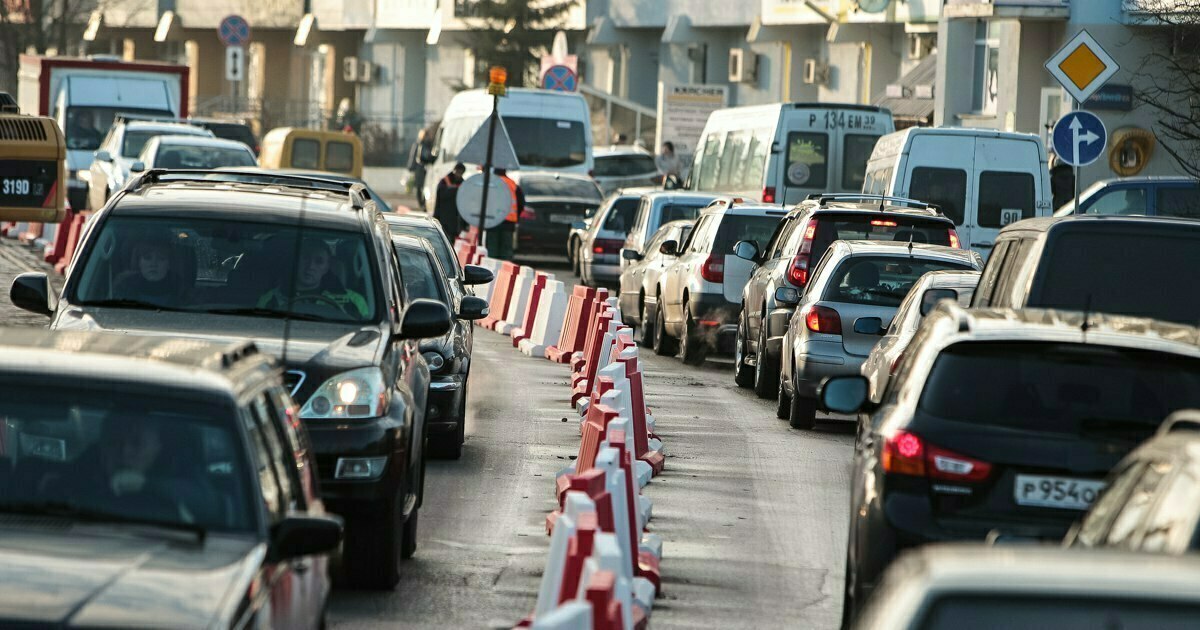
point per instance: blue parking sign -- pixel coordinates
(1079, 138)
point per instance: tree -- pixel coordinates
(1168, 81)
(512, 33)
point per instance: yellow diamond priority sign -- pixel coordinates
(1082, 66)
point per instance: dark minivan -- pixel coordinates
(1124, 265)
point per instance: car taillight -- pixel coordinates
(528, 214)
(798, 272)
(768, 195)
(606, 246)
(713, 269)
(906, 453)
(883, 223)
(954, 238)
(822, 319)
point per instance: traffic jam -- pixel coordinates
(622, 391)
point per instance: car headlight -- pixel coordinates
(360, 393)
(435, 360)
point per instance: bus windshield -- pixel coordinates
(547, 142)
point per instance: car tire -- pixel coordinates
(743, 375)
(576, 264)
(664, 344)
(766, 369)
(691, 347)
(645, 329)
(450, 446)
(783, 403)
(408, 537)
(803, 411)
(373, 547)
(850, 594)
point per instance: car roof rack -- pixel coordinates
(824, 198)
(128, 117)
(357, 192)
(1181, 420)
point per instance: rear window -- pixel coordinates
(620, 216)
(546, 142)
(436, 239)
(306, 153)
(240, 133)
(675, 212)
(1147, 275)
(807, 163)
(625, 165)
(874, 227)
(880, 280)
(553, 187)
(1176, 201)
(339, 156)
(418, 275)
(736, 228)
(1115, 394)
(1005, 198)
(994, 612)
(944, 187)
(856, 151)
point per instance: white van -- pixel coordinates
(550, 131)
(982, 179)
(782, 153)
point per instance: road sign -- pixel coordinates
(235, 63)
(234, 30)
(503, 154)
(560, 78)
(470, 196)
(1079, 138)
(1082, 66)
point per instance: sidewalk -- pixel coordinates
(15, 259)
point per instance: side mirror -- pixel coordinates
(296, 536)
(473, 307)
(474, 275)
(844, 394)
(787, 295)
(669, 248)
(932, 296)
(630, 254)
(104, 156)
(31, 291)
(137, 167)
(424, 318)
(868, 326)
(746, 250)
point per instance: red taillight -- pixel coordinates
(606, 246)
(798, 273)
(822, 319)
(905, 453)
(883, 223)
(528, 214)
(713, 269)
(768, 195)
(954, 238)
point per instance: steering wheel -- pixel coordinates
(319, 299)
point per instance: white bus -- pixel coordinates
(550, 131)
(783, 152)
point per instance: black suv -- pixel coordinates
(143, 477)
(788, 258)
(308, 273)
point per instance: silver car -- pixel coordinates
(642, 274)
(847, 304)
(932, 287)
(598, 250)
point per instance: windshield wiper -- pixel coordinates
(131, 303)
(258, 311)
(63, 509)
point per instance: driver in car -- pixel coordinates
(316, 285)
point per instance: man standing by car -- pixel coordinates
(500, 238)
(445, 207)
(667, 162)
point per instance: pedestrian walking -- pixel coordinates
(417, 158)
(445, 206)
(668, 163)
(500, 238)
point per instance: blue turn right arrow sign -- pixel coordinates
(1079, 138)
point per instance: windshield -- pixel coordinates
(560, 187)
(1060, 388)
(1037, 609)
(871, 227)
(190, 156)
(620, 216)
(202, 265)
(881, 280)
(73, 451)
(87, 126)
(136, 140)
(435, 238)
(625, 165)
(546, 142)
(418, 275)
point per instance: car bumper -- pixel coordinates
(777, 324)
(443, 409)
(716, 320)
(818, 360)
(603, 271)
(344, 440)
(545, 238)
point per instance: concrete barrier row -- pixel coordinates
(57, 241)
(603, 569)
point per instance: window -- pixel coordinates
(676, 211)
(420, 279)
(306, 153)
(807, 155)
(288, 424)
(987, 62)
(945, 188)
(1018, 254)
(625, 165)
(756, 160)
(1178, 201)
(279, 457)
(436, 238)
(732, 165)
(879, 280)
(735, 227)
(832, 226)
(856, 151)
(1005, 198)
(697, 241)
(620, 215)
(1034, 608)
(260, 457)
(991, 274)
(783, 231)
(339, 157)
(201, 157)
(86, 126)
(1119, 201)
(710, 164)
(878, 181)
(547, 142)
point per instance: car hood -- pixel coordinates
(89, 575)
(331, 346)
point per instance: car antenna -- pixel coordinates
(1087, 316)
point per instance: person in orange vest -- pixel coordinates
(500, 238)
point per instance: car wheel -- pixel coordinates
(576, 264)
(373, 547)
(664, 344)
(803, 413)
(850, 594)
(645, 328)
(408, 539)
(766, 369)
(450, 445)
(743, 375)
(783, 403)
(691, 347)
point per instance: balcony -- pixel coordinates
(1013, 9)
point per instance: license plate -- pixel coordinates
(562, 218)
(1056, 492)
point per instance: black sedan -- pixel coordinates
(448, 356)
(553, 203)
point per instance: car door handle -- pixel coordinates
(987, 245)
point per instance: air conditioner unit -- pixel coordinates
(366, 71)
(815, 72)
(743, 66)
(350, 69)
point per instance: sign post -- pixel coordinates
(497, 77)
(234, 32)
